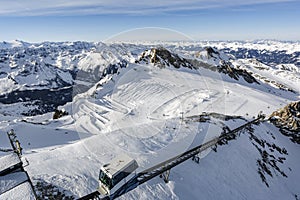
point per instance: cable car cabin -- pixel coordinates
(112, 174)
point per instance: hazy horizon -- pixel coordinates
(93, 20)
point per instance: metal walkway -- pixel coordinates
(163, 169)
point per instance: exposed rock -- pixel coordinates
(162, 57)
(210, 58)
(215, 60)
(211, 51)
(227, 68)
(59, 113)
(288, 120)
(49, 191)
(287, 117)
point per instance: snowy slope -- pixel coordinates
(62, 70)
(52, 73)
(148, 106)
(23, 191)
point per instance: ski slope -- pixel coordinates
(147, 112)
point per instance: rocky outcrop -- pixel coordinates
(287, 117)
(215, 60)
(162, 57)
(288, 120)
(59, 113)
(209, 58)
(235, 73)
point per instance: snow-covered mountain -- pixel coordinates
(49, 74)
(153, 101)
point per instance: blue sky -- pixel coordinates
(97, 20)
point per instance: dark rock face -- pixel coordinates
(234, 73)
(45, 100)
(162, 57)
(59, 113)
(211, 52)
(288, 117)
(223, 65)
(288, 120)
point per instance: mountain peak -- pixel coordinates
(162, 57)
(212, 55)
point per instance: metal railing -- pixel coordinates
(164, 168)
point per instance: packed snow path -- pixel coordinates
(164, 168)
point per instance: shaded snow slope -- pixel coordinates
(23, 191)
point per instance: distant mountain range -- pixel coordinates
(154, 101)
(63, 69)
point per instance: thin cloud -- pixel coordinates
(135, 7)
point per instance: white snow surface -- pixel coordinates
(143, 111)
(9, 161)
(21, 192)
